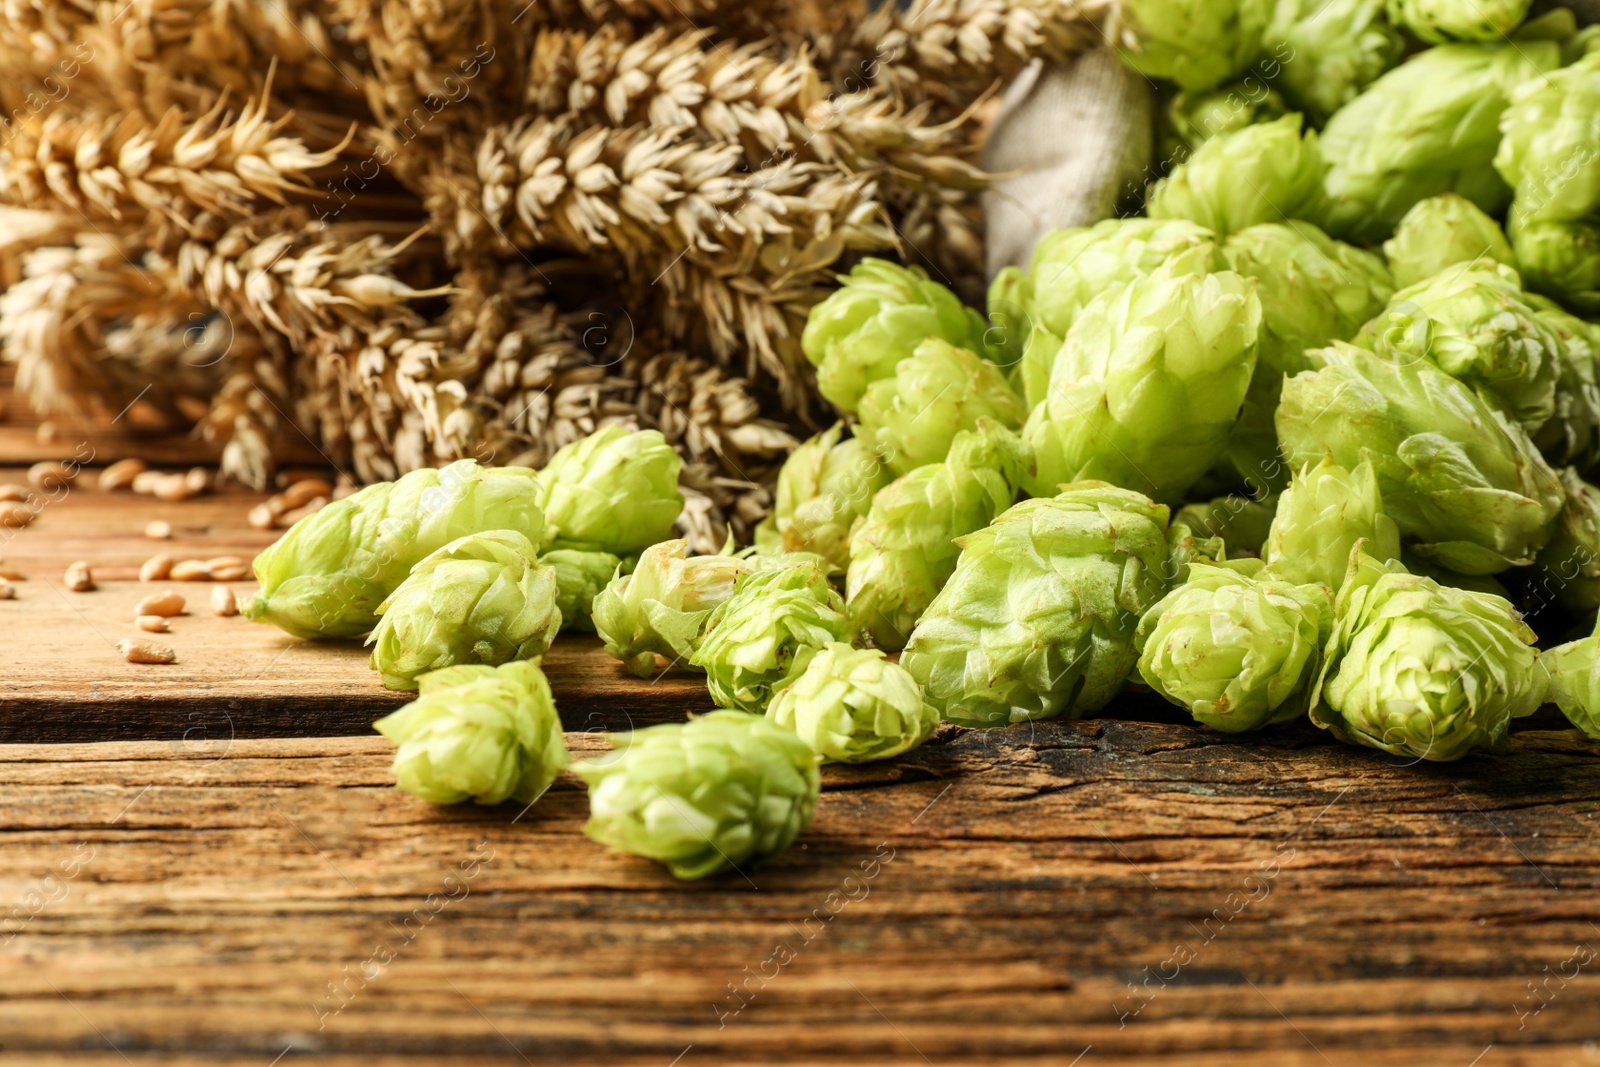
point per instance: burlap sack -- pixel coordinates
(1072, 140)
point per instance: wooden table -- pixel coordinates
(206, 863)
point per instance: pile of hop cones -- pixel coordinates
(409, 231)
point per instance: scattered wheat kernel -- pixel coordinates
(137, 651)
(79, 578)
(145, 481)
(12, 574)
(46, 433)
(156, 568)
(7, 590)
(158, 530)
(168, 603)
(14, 514)
(13, 491)
(304, 490)
(156, 624)
(223, 602)
(199, 480)
(233, 572)
(190, 570)
(342, 490)
(262, 517)
(120, 474)
(50, 475)
(172, 487)
(316, 504)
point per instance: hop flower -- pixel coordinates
(1312, 289)
(1196, 43)
(1550, 151)
(1572, 434)
(854, 705)
(1240, 522)
(911, 419)
(1574, 670)
(756, 640)
(1237, 647)
(878, 317)
(1438, 21)
(905, 550)
(661, 608)
(580, 575)
(1070, 268)
(824, 489)
(1038, 619)
(1560, 259)
(1455, 474)
(1420, 669)
(327, 575)
(1262, 173)
(614, 491)
(1569, 565)
(1193, 118)
(1429, 126)
(1320, 517)
(702, 796)
(484, 598)
(1146, 388)
(1443, 231)
(1473, 323)
(486, 733)
(1331, 50)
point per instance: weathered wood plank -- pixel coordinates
(65, 681)
(1336, 906)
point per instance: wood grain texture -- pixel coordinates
(1337, 908)
(64, 680)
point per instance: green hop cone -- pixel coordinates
(1037, 621)
(1456, 475)
(1572, 434)
(1235, 646)
(1574, 670)
(326, 576)
(1569, 565)
(1423, 670)
(905, 550)
(1429, 126)
(1196, 43)
(1444, 231)
(1069, 268)
(824, 489)
(1194, 118)
(1320, 517)
(1560, 260)
(1330, 50)
(911, 418)
(878, 317)
(1312, 289)
(484, 598)
(1473, 323)
(580, 575)
(703, 796)
(614, 491)
(1262, 173)
(765, 632)
(1550, 152)
(662, 607)
(488, 734)
(1147, 386)
(1239, 521)
(1440, 21)
(853, 705)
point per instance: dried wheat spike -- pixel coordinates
(125, 166)
(104, 297)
